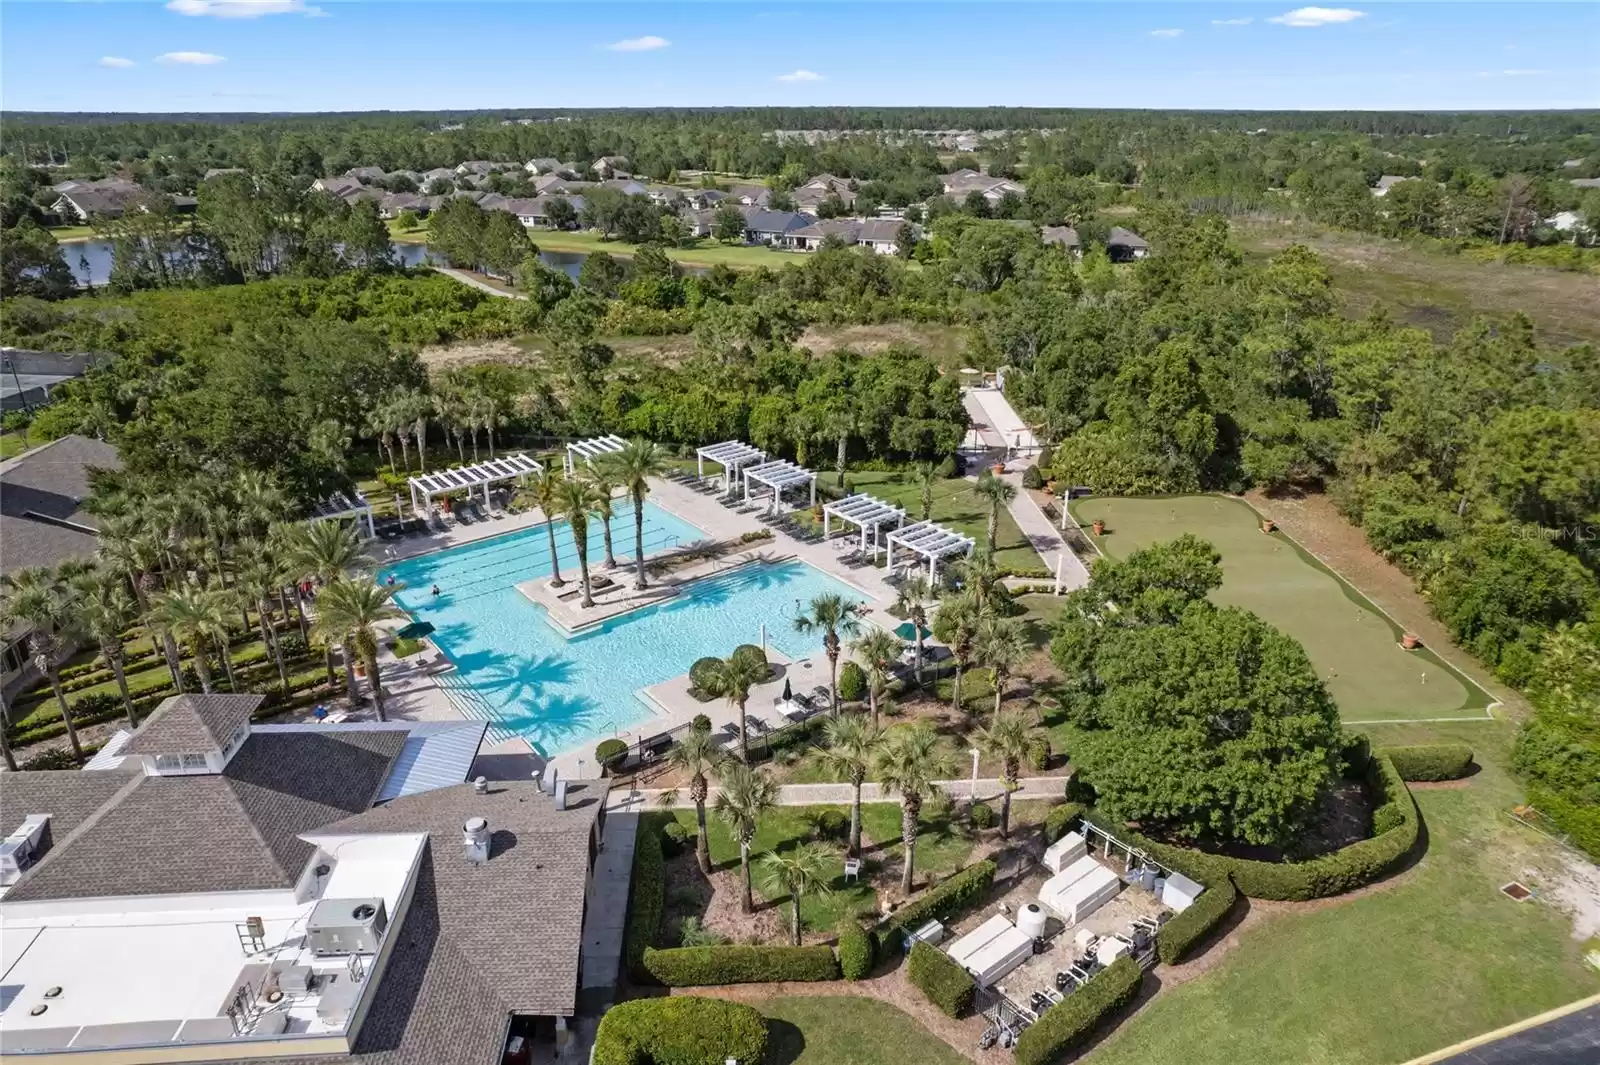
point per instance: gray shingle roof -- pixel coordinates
(1066, 236)
(42, 521)
(758, 221)
(69, 796)
(1125, 238)
(192, 723)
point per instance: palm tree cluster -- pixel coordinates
(970, 622)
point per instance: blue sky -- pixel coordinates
(325, 55)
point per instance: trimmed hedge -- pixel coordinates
(1061, 818)
(944, 901)
(855, 952)
(683, 1030)
(1395, 823)
(947, 985)
(702, 677)
(1070, 1022)
(753, 653)
(649, 888)
(737, 964)
(1180, 935)
(1433, 761)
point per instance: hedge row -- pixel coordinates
(684, 1030)
(1061, 818)
(856, 956)
(946, 900)
(1434, 761)
(947, 985)
(1395, 824)
(1180, 935)
(739, 964)
(649, 887)
(1070, 1022)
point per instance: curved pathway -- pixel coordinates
(482, 286)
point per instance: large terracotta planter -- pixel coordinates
(1268, 525)
(1099, 527)
(1410, 641)
(998, 468)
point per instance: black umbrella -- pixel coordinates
(788, 693)
(415, 631)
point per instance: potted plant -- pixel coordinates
(1410, 641)
(1268, 525)
(1099, 527)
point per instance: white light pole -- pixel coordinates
(974, 753)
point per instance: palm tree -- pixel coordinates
(956, 624)
(909, 762)
(744, 796)
(125, 544)
(698, 755)
(379, 425)
(1010, 737)
(603, 486)
(733, 678)
(39, 598)
(575, 502)
(260, 502)
(547, 493)
(878, 649)
(804, 869)
(103, 611)
(925, 476)
(347, 610)
(326, 551)
(834, 616)
(838, 424)
(260, 577)
(631, 470)
(999, 493)
(1001, 645)
(912, 599)
(979, 576)
(852, 744)
(196, 615)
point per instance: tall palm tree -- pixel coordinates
(698, 755)
(103, 611)
(347, 610)
(326, 551)
(39, 598)
(734, 677)
(197, 615)
(379, 425)
(878, 650)
(909, 762)
(912, 600)
(834, 616)
(852, 744)
(800, 871)
(260, 502)
(925, 476)
(838, 425)
(260, 577)
(998, 493)
(1001, 645)
(126, 544)
(632, 468)
(602, 484)
(956, 624)
(1009, 737)
(547, 493)
(744, 797)
(980, 576)
(575, 502)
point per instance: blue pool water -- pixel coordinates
(562, 694)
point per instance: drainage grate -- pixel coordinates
(1516, 890)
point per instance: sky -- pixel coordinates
(326, 55)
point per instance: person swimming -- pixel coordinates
(435, 589)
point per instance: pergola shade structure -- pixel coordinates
(478, 475)
(732, 456)
(591, 449)
(345, 505)
(864, 511)
(930, 542)
(779, 476)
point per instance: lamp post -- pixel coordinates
(974, 795)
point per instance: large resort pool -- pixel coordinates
(514, 669)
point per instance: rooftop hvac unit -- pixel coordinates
(23, 847)
(346, 926)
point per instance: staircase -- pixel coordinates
(473, 705)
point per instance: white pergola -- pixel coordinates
(778, 476)
(478, 475)
(864, 511)
(731, 455)
(932, 542)
(591, 449)
(343, 505)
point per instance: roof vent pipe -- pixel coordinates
(551, 780)
(475, 840)
(481, 785)
(561, 795)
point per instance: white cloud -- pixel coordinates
(1232, 21)
(1166, 34)
(800, 75)
(1317, 16)
(243, 8)
(115, 61)
(1514, 72)
(190, 59)
(639, 44)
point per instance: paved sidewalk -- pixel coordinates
(811, 794)
(606, 911)
(1045, 537)
(467, 279)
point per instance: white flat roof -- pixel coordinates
(779, 475)
(930, 540)
(731, 453)
(596, 446)
(504, 468)
(864, 510)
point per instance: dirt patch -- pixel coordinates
(715, 901)
(937, 341)
(450, 356)
(1571, 884)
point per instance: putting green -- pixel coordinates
(1354, 647)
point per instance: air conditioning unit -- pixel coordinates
(23, 847)
(346, 926)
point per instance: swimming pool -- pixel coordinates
(562, 694)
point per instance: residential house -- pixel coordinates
(394, 203)
(347, 189)
(751, 195)
(1064, 237)
(219, 171)
(1387, 182)
(482, 167)
(772, 227)
(627, 186)
(820, 189)
(703, 199)
(367, 175)
(962, 183)
(427, 177)
(1586, 183)
(610, 166)
(305, 892)
(83, 201)
(1124, 245)
(535, 212)
(882, 235)
(542, 166)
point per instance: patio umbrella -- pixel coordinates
(908, 631)
(415, 631)
(788, 692)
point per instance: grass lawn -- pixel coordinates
(1354, 647)
(839, 1030)
(957, 504)
(402, 235)
(1413, 966)
(72, 233)
(943, 845)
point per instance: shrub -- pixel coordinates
(947, 985)
(833, 824)
(948, 469)
(1434, 761)
(749, 651)
(855, 952)
(692, 933)
(755, 536)
(1039, 753)
(942, 901)
(702, 678)
(701, 723)
(852, 682)
(649, 892)
(58, 758)
(674, 838)
(1181, 934)
(1061, 819)
(407, 648)
(687, 1030)
(1032, 478)
(1046, 460)
(609, 753)
(700, 966)
(1070, 1022)
(982, 815)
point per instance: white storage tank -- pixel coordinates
(1065, 851)
(1030, 920)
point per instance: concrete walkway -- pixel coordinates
(467, 279)
(1044, 537)
(606, 911)
(812, 794)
